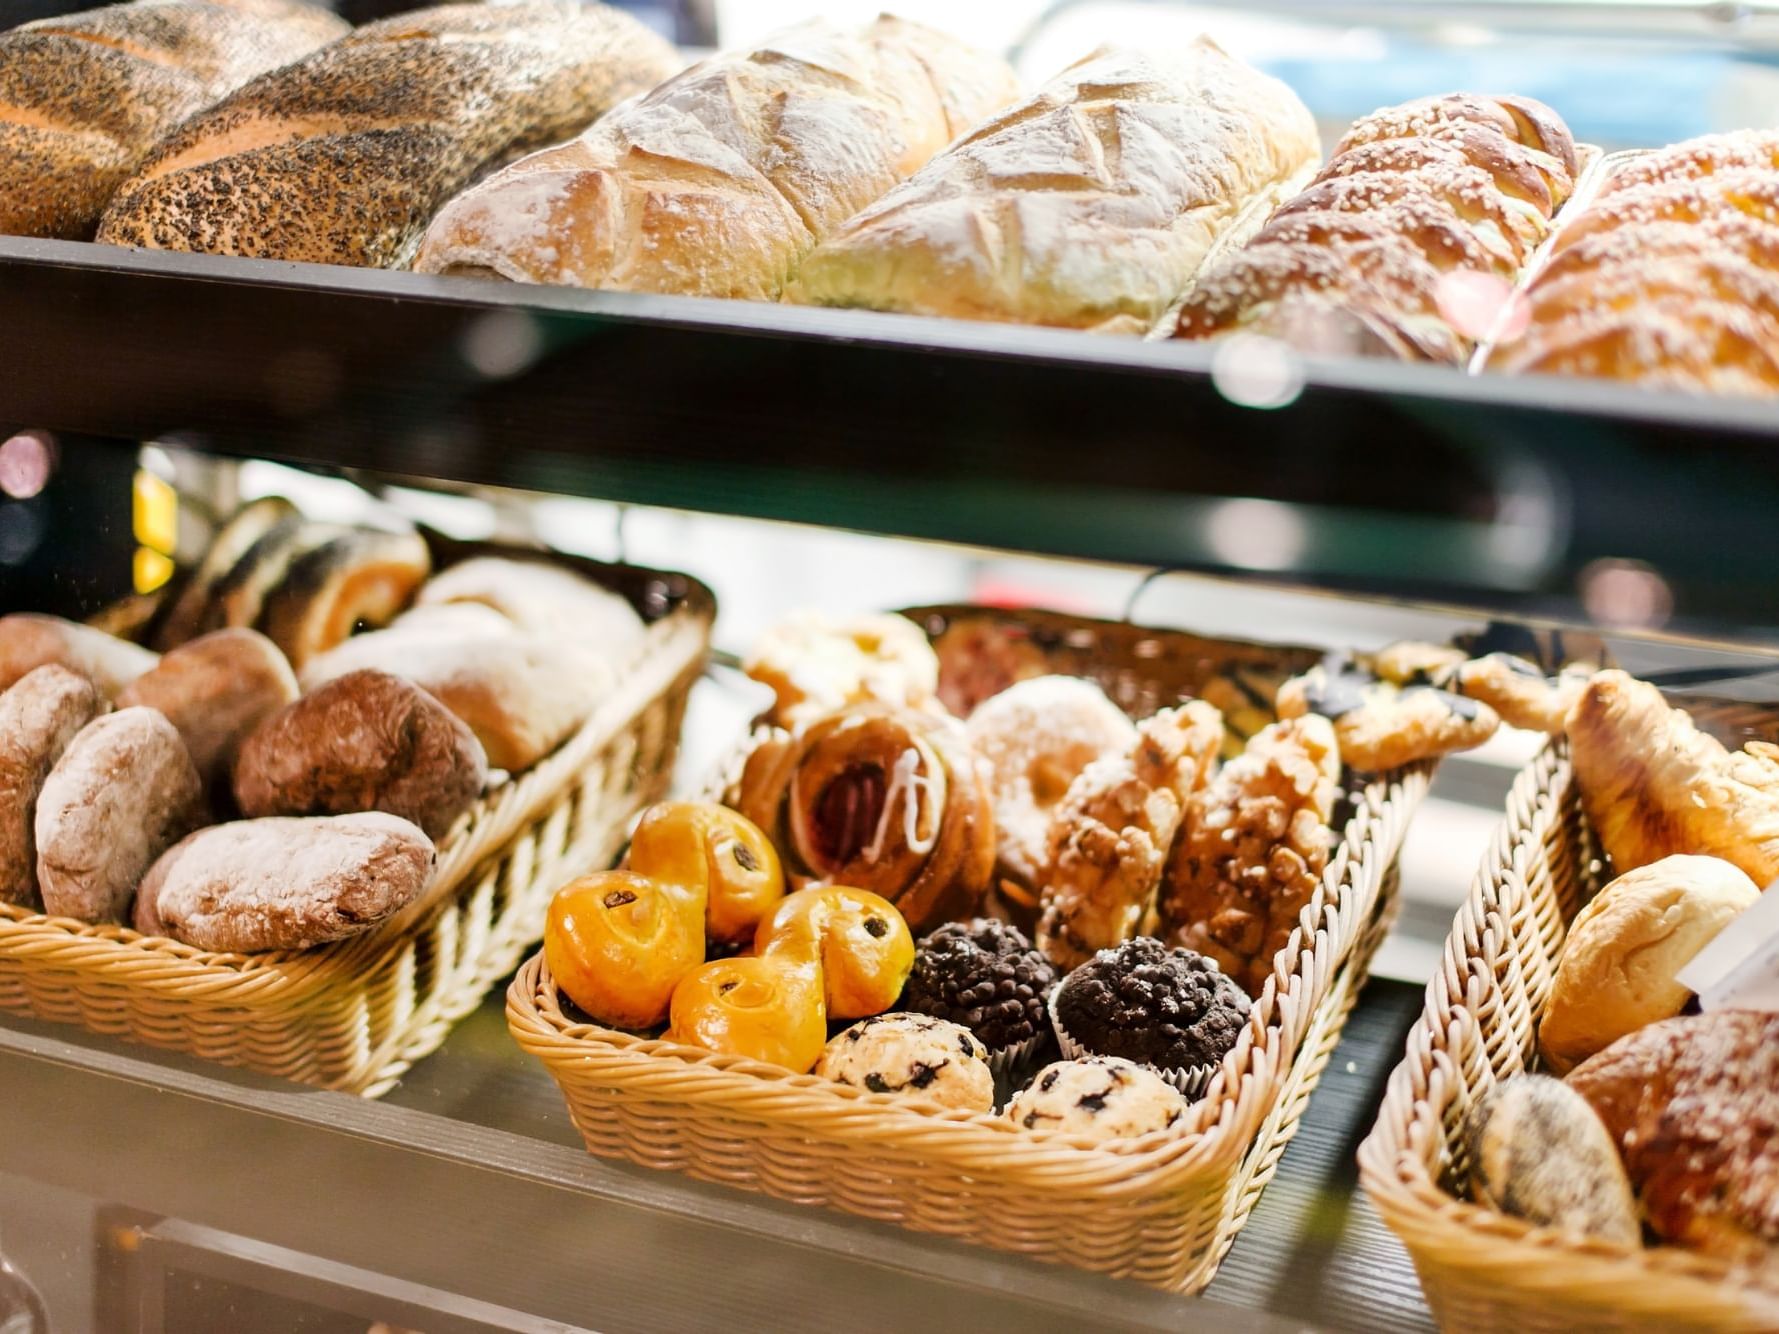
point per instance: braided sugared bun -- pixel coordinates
(1380, 255)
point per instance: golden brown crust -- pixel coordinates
(1254, 846)
(1089, 205)
(1381, 725)
(888, 800)
(1110, 836)
(84, 97)
(1653, 785)
(1693, 1104)
(1520, 693)
(814, 665)
(719, 181)
(343, 157)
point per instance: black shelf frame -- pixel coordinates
(1028, 439)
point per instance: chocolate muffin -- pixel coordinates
(1167, 1008)
(985, 975)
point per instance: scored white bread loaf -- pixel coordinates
(1088, 206)
(84, 97)
(342, 158)
(718, 182)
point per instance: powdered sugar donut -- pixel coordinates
(1037, 736)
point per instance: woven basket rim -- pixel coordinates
(671, 646)
(1399, 1160)
(1219, 1127)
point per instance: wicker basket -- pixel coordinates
(1162, 1209)
(354, 1016)
(1481, 1269)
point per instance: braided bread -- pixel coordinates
(1087, 206)
(1366, 259)
(718, 183)
(343, 157)
(1670, 278)
(83, 98)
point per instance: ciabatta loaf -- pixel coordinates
(343, 157)
(83, 98)
(1088, 206)
(717, 183)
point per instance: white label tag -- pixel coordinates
(1739, 969)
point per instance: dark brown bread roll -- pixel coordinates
(284, 884)
(84, 97)
(366, 741)
(1693, 1104)
(122, 792)
(28, 641)
(216, 689)
(39, 716)
(343, 157)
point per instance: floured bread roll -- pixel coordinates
(1654, 785)
(28, 641)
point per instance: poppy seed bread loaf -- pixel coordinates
(342, 158)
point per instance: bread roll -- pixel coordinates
(342, 158)
(184, 616)
(1619, 963)
(540, 597)
(284, 884)
(83, 98)
(39, 716)
(216, 689)
(1693, 1104)
(1538, 1151)
(239, 596)
(1653, 785)
(123, 791)
(360, 578)
(1089, 205)
(521, 694)
(28, 641)
(718, 182)
(366, 741)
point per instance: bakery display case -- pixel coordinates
(406, 513)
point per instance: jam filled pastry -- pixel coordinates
(891, 800)
(1110, 836)
(1670, 277)
(1653, 785)
(1422, 205)
(1036, 737)
(1254, 847)
(1382, 725)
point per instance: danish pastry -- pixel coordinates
(890, 800)
(1381, 725)
(1254, 847)
(1111, 834)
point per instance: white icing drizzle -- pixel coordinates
(909, 783)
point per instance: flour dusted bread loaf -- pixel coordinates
(84, 97)
(1088, 205)
(124, 789)
(520, 693)
(216, 689)
(719, 181)
(28, 641)
(343, 157)
(539, 597)
(284, 884)
(39, 716)
(366, 741)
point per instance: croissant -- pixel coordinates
(886, 799)
(1653, 785)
